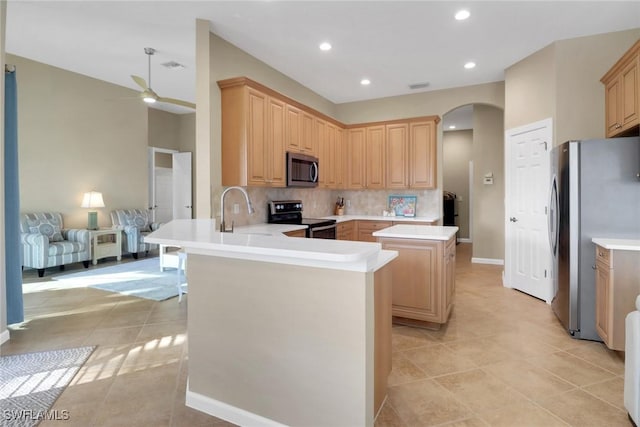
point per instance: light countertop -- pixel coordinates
(419, 232)
(252, 243)
(343, 218)
(618, 244)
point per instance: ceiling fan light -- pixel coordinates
(148, 99)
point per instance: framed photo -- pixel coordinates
(403, 205)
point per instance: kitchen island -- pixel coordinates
(423, 276)
(285, 331)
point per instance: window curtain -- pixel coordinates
(13, 256)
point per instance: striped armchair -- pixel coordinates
(45, 243)
(136, 224)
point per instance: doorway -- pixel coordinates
(170, 185)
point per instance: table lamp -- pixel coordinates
(92, 199)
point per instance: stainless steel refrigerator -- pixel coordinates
(595, 192)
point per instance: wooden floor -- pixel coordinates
(502, 360)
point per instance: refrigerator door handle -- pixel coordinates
(552, 218)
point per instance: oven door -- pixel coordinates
(325, 232)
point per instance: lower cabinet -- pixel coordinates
(346, 230)
(366, 229)
(423, 278)
(617, 287)
(296, 233)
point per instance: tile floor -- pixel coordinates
(502, 360)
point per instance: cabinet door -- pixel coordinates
(375, 168)
(416, 279)
(256, 138)
(342, 156)
(275, 152)
(449, 278)
(366, 229)
(629, 91)
(356, 176)
(397, 148)
(612, 107)
(293, 129)
(308, 141)
(422, 155)
(330, 156)
(604, 303)
(321, 143)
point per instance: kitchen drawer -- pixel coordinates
(367, 228)
(346, 230)
(603, 256)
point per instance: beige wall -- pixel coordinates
(457, 152)
(529, 89)
(488, 200)
(78, 134)
(562, 82)
(164, 129)
(580, 63)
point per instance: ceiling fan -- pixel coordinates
(148, 95)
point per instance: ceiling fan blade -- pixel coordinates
(140, 81)
(177, 102)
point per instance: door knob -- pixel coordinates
(513, 219)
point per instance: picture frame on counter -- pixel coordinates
(403, 205)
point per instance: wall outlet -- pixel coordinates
(348, 203)
(236, 208)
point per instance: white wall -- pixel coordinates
(4, 333)
(457, 153)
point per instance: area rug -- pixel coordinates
(141, 279)
(30, 384)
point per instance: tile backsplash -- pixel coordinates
(321, 202)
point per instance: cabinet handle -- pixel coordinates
(601, 253)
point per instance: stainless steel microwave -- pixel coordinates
(302, 170)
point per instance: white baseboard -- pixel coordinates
(4, 336)
(465, 240)
(492, 261)
(227, 412)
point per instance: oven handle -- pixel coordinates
(313, 172)
(326, 227)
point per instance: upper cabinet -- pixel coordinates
(622, 94)
(260, 125)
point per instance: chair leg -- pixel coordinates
(40, 272)
(86, 264)
(135, 255)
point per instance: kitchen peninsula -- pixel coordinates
(285, 331)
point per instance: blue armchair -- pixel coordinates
(46, 243)
(136, 224)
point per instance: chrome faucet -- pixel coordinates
(223, 227)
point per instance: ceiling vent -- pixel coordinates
(418, 85)
(172, 65)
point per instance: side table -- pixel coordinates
(104, 243)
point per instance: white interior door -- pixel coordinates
(182, 186)
(163, 195)
(527, 255)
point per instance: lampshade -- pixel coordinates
(92, 199)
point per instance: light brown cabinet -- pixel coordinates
(365, 229)
(422, 154)
(375, 155)
(253, 141)
(397, 151)
(260, 125)
(622, 94)
(617, 286)
(423, 278)
(296, 233)
(346, 230)
(356, 177)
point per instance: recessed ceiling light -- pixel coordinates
(365, 82)
(463, 14)
(469, 65)
(325, 46)
(452, 127)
